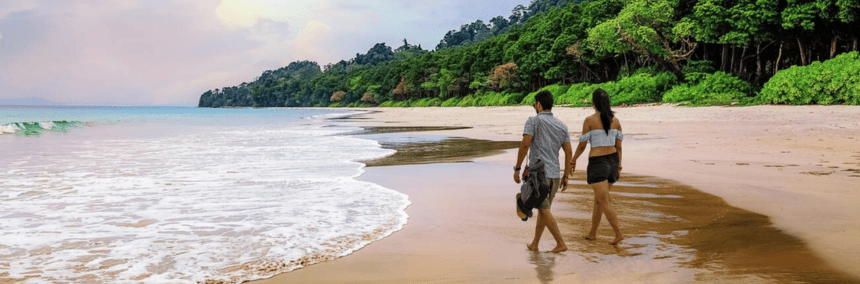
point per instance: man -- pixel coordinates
(543, 136)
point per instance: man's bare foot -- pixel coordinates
(617, 240)
(591, 237)
(532, 248)
(559, 248)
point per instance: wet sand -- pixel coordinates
(418, 149)
(798, 165)
(463, 229)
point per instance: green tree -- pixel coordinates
(645, 27)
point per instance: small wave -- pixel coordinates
(37, 128)
(9, 128)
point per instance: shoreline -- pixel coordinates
(494, 126)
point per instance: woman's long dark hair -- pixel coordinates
(601, 102)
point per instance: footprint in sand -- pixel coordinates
(774, 166)
(742, 164)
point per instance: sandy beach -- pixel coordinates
(764, 194)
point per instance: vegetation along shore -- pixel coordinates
(691, 52)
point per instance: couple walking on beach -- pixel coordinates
(544, 135)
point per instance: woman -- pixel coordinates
(603, 131)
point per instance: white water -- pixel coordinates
(8, 128)
(227, 203)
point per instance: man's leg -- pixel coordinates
(541, 224)
(549, 222)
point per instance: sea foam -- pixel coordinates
(228, 204)
(9, 128)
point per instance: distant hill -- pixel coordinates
(29, 102)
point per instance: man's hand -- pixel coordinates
(517, 176)
(563, 183)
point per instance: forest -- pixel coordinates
(689, 52)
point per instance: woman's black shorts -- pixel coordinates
(603, 168)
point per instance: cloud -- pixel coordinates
(9, 6)
(314, 43)
(246, 13)
(169, 52)
(125, 54)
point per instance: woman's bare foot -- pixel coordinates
(591, 237)
(559, 248)
(532, 248)
(617, 240)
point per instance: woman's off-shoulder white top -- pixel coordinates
(599, 137)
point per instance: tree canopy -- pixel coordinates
(562, 43)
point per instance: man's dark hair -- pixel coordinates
(545, 99)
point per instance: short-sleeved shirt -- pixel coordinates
(551, 135)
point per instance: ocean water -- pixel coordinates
(167, 195)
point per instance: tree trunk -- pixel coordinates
(625, 61)
(802, 53)
(671, 67)
(705, 48)
(855, 43)
(741, 64)
(732, 65)
(725, 57)
(778, 60)
(833, 47)
(758, 63)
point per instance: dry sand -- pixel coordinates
(797, 167)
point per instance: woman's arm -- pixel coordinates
(581, 147)
(618, 147)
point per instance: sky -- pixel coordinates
(168, 52)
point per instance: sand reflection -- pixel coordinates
(665, 221)
(544, 262)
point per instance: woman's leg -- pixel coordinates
(596, 215)
(601, 193)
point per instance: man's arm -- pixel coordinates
(521, 154)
